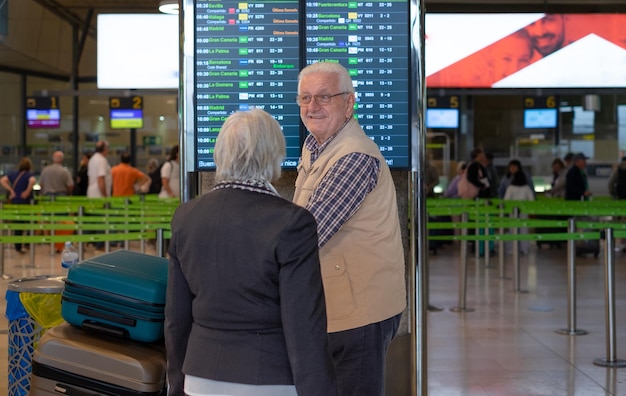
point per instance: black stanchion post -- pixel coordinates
(501, 245)
(5, 276)
(160, 243)
(611, 359)
(463, 269)
(571, 285)
(81, 250)
(107, 244)
(32, 244)
(486, 242)
(516, 270)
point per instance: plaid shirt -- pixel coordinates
(342, 190)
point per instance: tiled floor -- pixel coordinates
(507, 346)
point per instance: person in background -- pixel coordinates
(492, 175)
(519, 190)
(19, 185)
(154, 173)
(55, 179)
(617, 181)
(82, 179)
(245, 312)
(558, 172)
(512, 168)
(125, 177)
(99, 177)
(345, 182)
(477, 173)
(558, 190)
(452, 190)
(170, 175)
(99, 172)
(576, 181)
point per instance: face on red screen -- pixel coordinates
(512, 54)
(547, 34)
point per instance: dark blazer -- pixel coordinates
(245, 300)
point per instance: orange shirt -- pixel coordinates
(124, 179)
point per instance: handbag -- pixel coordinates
(466, 189)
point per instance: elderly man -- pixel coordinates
(55, 179)
(345, 182)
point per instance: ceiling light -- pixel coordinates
(169, 7)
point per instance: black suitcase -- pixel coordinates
(72, 361)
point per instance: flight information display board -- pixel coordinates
(248, 55)
(371, 40)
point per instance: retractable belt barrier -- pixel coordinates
(505, 215)
(103, 220)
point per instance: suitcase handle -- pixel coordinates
(93, 313)
(104, 328)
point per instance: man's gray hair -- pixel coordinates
(345, 81)
(250, 145)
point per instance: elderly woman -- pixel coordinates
(245, 311)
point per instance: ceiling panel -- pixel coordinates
(37, 42)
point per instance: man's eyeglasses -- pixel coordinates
(321, 100)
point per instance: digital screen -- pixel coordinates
(442, 118)
(371, 40)
(525, 50)
(540, 118)
(248, 55)
(49, 118)
(126, 119)
(137, 51)
(126, 112)
(43, 112)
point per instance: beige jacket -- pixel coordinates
(363, 263)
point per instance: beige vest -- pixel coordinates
(363, 263)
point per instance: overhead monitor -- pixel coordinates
(43, 112)
(540, 118)
(137, 51)
(442, 118)
(126, 112)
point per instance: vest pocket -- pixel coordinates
(337, 288)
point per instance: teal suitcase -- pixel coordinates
(120, 293)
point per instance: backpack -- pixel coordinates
(621, 183)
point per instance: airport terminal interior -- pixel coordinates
(505, 341)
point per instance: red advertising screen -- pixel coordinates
(525, 50)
